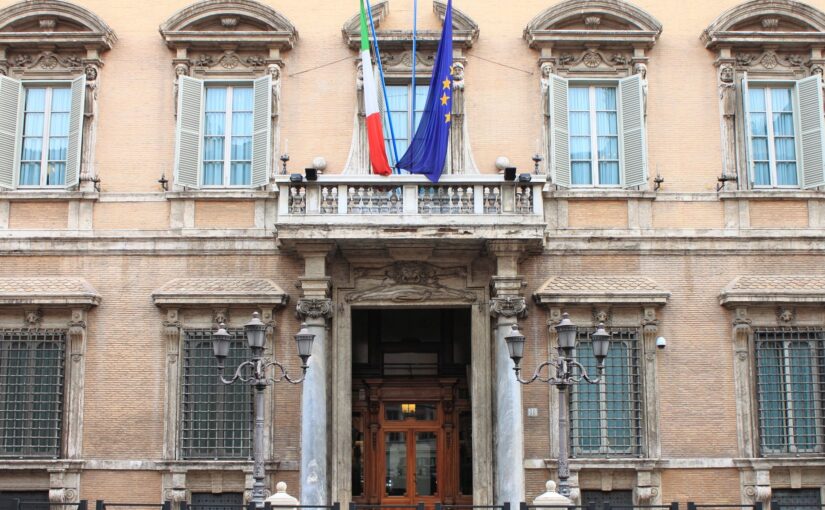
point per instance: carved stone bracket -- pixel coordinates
(508, 306)
(314, 308)
(32, 317)
(77, 333)
(760, 490)
(63, 486)
(171, 330)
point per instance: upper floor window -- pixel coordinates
(790, 379)
(31, 392)
(227, 144)
(594, 136)
(606, 418)
(404, 120)
(772, 136)
(45, 136)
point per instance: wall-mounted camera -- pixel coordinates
(661, 343)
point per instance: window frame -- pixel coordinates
(591, 84)
(49, 85)
(411, 123)
(229, 85)
(768, 84)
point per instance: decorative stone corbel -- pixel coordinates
(32, 318)
(602, 314)
(171, 330)
(575, 491)
(220, 316)
(508, 306)
(314, 308)
(63, 486)
(77, 334)
(785, 316)
(760, 492)
(174, 487)
(647, 488)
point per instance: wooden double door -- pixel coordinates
(412, 443)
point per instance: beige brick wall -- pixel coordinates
(708, 486)
(131, 216)
(121, 486)
(597, 214)
(778, 213)
(38, 215)
(670, 215)
(224, 214)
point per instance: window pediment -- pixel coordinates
(244, 24)
(465, 30)
(783, 23)
(769, 289)
(607, 23)
(566, 290)
(64, 25)
(220, 291)
(48, 291)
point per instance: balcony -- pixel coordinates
(369, 207)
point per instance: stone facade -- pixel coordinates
(130, 256)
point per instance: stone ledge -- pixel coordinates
(598, 194)
(219, 291)
(600, 290)
(31, 195)
(48, 291)
(771, 289)
(772, 194)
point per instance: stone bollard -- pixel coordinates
(551, 497)
(281, 499)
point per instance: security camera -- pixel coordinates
(661, 343)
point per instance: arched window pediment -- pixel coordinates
(65, 25)
(465, 30)
(244, 24)
(593, 22)
(784, 23)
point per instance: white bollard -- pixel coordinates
(281, 499)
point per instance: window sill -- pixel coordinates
(599, 194)
(29, 195)
(629, 462)
(220, 194)
(772, 194)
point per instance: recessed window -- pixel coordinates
(45, 136)
(594, 136)
(404, 123)
(773, 136)
(227, 141)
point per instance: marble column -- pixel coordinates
(509, 422)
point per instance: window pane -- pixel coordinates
(59, 124)
(426, 474)
(609, 173)
(579, 123)
(399, 124)
(56, 175)
(759, 124)
(580, 173)
(215, 124)
(605, 98)
(242, 124)
(760, 149)
(781, 100)
(241, 174)
(585, 406)
(608, 124)
(58, 148)
(580, 147)
(35, 100)
(212, 174)
(578, 98)
(762, 175)
(30, 174)
(786, 174)
(213, 148)
(620, 398)
(757, 100)
(397, 98)
(216, 99)
(61, 100)
(395, 481)
(803, 396)
(783, 124)
(241, 148)
(608, 147)
(242, 99)
(32, 149)
(785, 149)
(33, 124)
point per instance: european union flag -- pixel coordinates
(428, 149)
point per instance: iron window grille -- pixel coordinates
(790, 376)
(606, 418)
(797, 499)
(32, 366)
(216, 421)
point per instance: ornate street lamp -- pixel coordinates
(256, 337)
(568, 371)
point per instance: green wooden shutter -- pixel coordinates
(559, 134)
(74, 153)
(632, 149)
(261, 131)
(11, 95)
(189, 135)
(746, 115)
(812, 131)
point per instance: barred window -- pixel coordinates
(31, 392)
(216, 419)
(606, 418)
(790, 374)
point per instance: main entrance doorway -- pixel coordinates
(412, 427)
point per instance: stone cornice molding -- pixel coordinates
(48, 291)
(635, 290)
(212, 23)
(770, 290)
(593, 22)
(32, 23)
(465, 30)
(191, 292)
(783, 23)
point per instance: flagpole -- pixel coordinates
(383, 85)
(412, 124)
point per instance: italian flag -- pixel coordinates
(375, 132)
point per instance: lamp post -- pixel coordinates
(253, 372)
(568, 371)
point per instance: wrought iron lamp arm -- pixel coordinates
(583, 373)
(238, 376)
(537, 373)
(284, 376)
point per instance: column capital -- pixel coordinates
(314, 308)
(508, 306)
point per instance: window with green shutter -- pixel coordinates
(606, 418)
(216, 418)
(32, 363)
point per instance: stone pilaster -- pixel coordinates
(75, 373)
(742, 332)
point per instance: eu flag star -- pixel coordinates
(447, 117)
(444, 99)
(446, 83)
